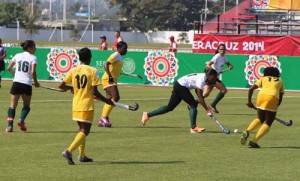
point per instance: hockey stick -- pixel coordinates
(226, 131)
(53, 89)
(124, 106)
(225, 70)
(132, 75)
(288, 124)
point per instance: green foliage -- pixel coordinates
(183, 38)
(30, 26)
(75, 33)
(10, 11)
(153, 15)
(162, 150)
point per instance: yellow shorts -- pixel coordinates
(83, 116)
(105, 83)
(267, 102)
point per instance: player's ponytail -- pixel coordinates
(27, 44)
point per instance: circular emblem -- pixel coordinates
(256, 65)
(60, 61)
(260, 4)
(161, 68)
(128, 65)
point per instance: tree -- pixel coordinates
(10, 11)
(183, 38)
(153, 15)
(30, 27)
(75, 33)
(161, 15)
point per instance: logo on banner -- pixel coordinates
(161, 67)
(60, 61)
(128, 65)
(260, 4)
(256, 65)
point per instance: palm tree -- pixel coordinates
(75, 33)
(183, 38)
(30, 27)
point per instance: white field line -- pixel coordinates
(144, 99)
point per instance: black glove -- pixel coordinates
(110, 79)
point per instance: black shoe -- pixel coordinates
(85, 159)
(253, 145)
(68, 156)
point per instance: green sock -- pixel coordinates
(24, 113)
(10, 116)
(161, 110)
(193, 117)
(219, 96)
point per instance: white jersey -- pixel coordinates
(193, 81)
(23, 64)
(218, 61)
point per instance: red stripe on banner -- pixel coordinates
(248, 44)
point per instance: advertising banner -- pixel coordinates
(162, 68)
(248, 44)
(275, 5)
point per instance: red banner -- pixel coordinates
(248, 44)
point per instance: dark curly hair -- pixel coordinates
(272, 71)
(85, 55)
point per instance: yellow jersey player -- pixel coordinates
(113, 67)
(84, 80)
(267, 103)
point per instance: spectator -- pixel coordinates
(173, 45)
(118, 39)
(2, 56)
(103, 45)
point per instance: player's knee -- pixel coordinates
(85, 131)
(224, 91)
(116, 99)
(269, 122)
(193, 105)
(206, 94)
(26, 108)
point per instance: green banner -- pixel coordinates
(161, 68)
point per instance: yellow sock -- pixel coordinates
(81, 149)
(106, 110)
(79, 139)
(253, 125)
(264, 129)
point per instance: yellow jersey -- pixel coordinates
(83, 78)
(115, 66)
(270, 86)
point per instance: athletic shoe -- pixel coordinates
(68, 156)
(22, 126)
(244, 137)
(104, 122)
(213, 108)
(253, 145)
(85, 159)
(145, 118)
(197, 130)
(9, 129)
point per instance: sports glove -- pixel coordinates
(110, 79)
(208, 112)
